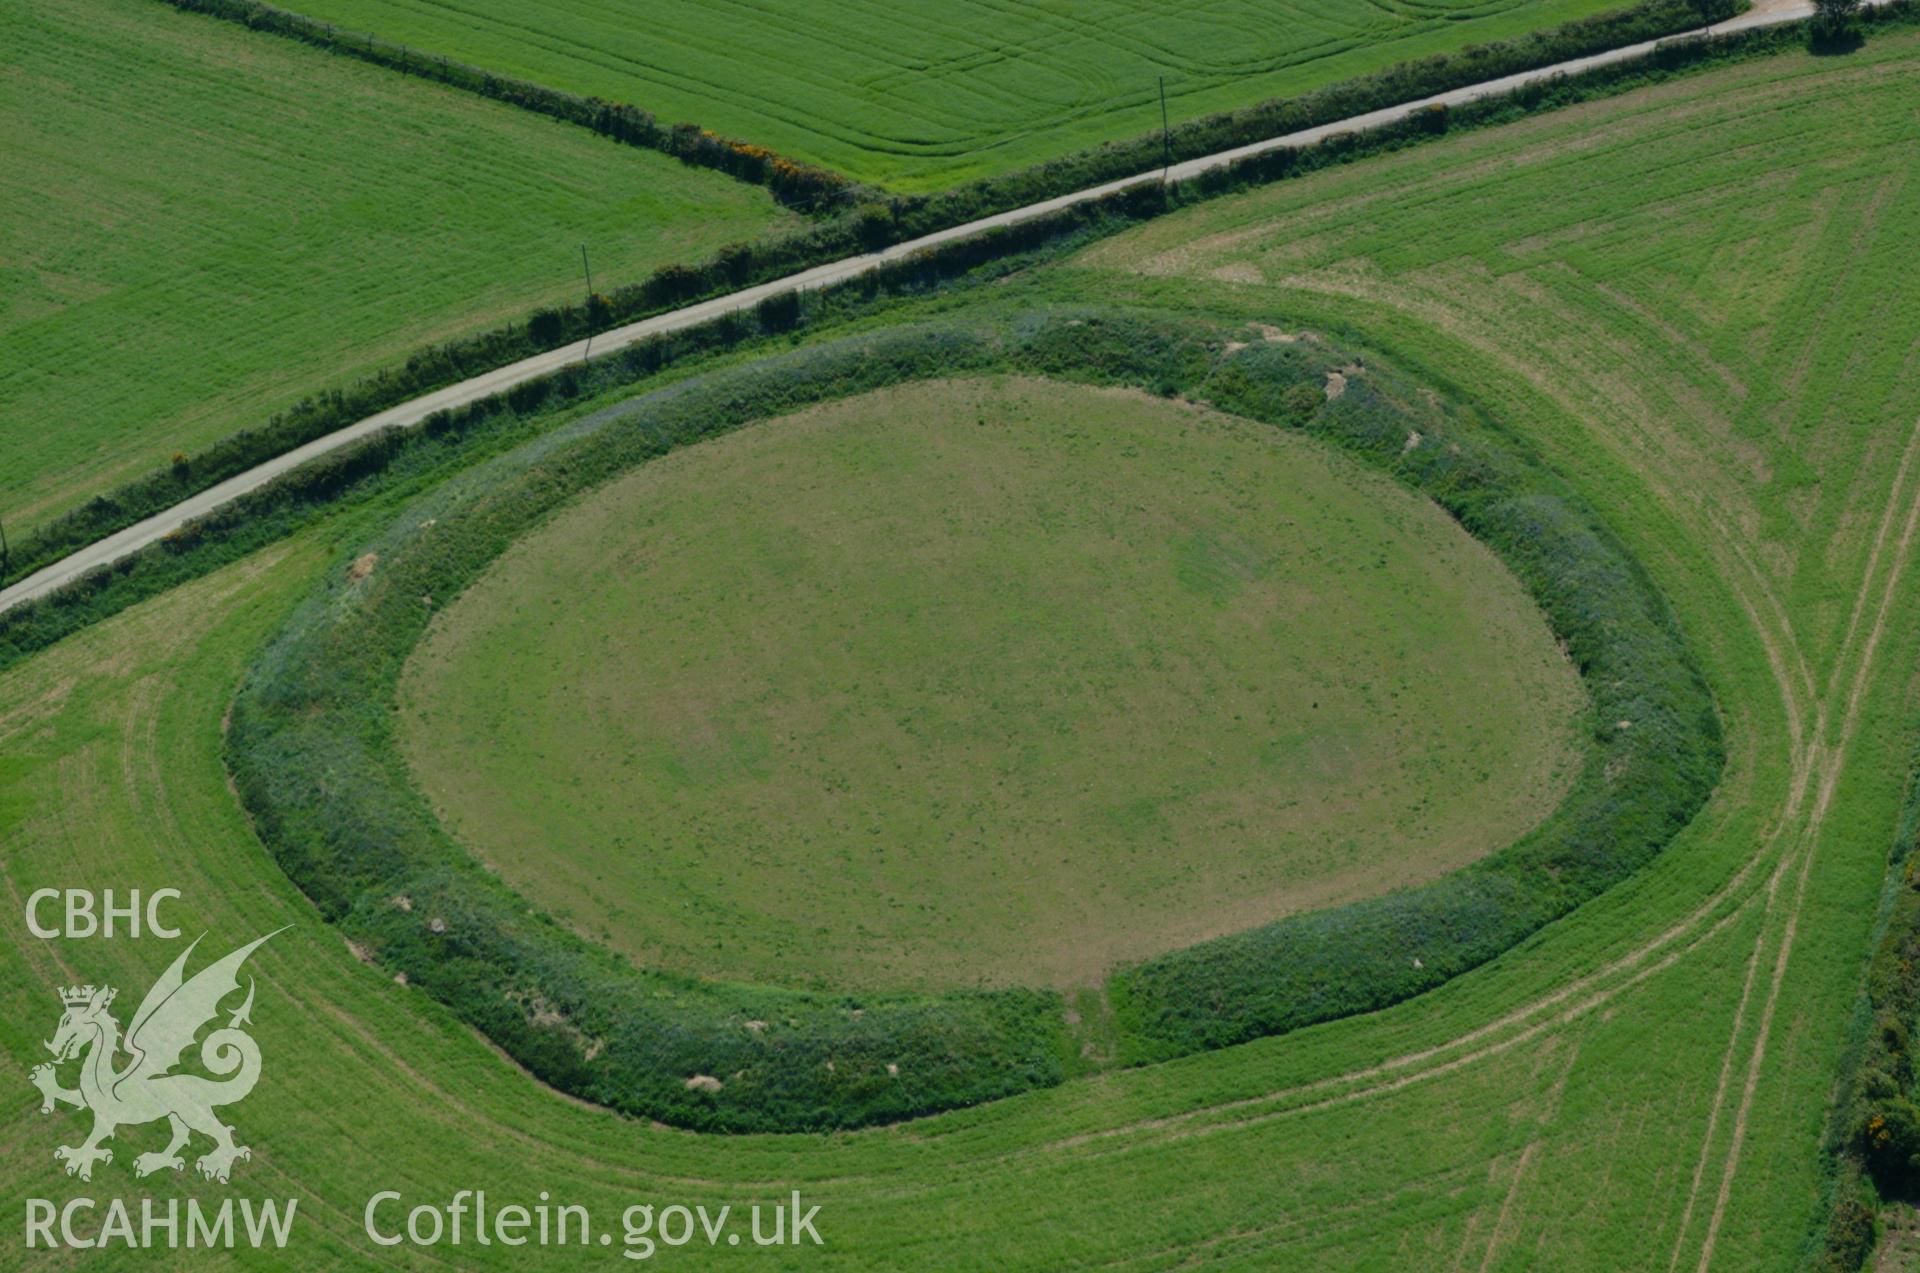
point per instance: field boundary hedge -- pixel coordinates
(1390, 86)
(812, 187)
(314, 760)
(807, 187)
(743, 265)
(1872, 1138)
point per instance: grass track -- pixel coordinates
(203, 225)
(1696, 367)
(922, 96)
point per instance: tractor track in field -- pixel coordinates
(1832, 763)
(1709, 919)
(1816, 770)
(1817, 763)
(129, 540)
(1712, 917)
(1811, 766)
(1781, 649)
(1789, 668)
(1649, 452)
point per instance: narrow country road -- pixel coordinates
(139, 535)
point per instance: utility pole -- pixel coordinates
(1166, 143)
(588, 269)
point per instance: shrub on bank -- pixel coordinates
(804, 186)
(1655, 747)
(1873, 1132)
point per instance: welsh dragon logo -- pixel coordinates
(144, 1089)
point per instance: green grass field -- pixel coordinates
(203, 226)
(985, 681)
(1693, 302)
(922, 96)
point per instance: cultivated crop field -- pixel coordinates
(993, 681)
(922, 96)
(204, 227)
(1499, 552)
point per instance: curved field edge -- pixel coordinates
(314, 759)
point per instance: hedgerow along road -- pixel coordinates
(129, 540)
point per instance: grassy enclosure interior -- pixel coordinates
(993, 681)
(203, 225)
(925, 95)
